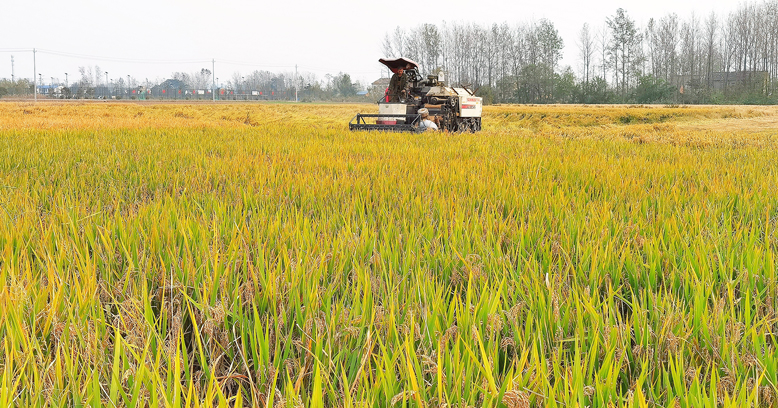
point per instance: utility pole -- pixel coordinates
(296, 83)
(12, 69)
(66, 80)
(106, 84)
(213, 79)
(34, 74)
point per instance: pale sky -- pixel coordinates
(163, 36)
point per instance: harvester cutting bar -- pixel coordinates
(386, 122)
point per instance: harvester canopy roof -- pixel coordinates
(397, 63)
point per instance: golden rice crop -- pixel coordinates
(171, 255)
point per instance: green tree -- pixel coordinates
(651, 89)
(486, 92)
(344, 85)
(550, 42)
(624, 47)
(566, 90)
(596, 91)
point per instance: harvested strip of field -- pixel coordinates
(128, 115)
(563, 116)
(766, 121)
(112, 115)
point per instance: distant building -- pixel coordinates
(381, 83)
(378, 87)
(46, 89)
(170, 88)
(721, 81)
(751, 79)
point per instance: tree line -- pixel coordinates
(93, 83)
(697, 59)
(714, 58)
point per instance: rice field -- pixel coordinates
(258, 255)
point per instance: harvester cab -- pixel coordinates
(455, 109)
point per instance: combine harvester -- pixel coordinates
(457, 109)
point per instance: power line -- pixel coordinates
(121, 59)
(173, 61)
(253, 64)
(66, 54)
(290, 66)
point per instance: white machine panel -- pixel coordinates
(470, 106)
(391, 109)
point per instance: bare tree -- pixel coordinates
(625, 39)
(602, 46)
(711, 32)
(585, 51)
(398, 42)
(689, 47)
(432, 46)
(520, 62)
(87, 77)
(386, 47)
(668, 44)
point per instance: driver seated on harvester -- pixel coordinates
(397, 86)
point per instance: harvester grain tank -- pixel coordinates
(457, 108)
